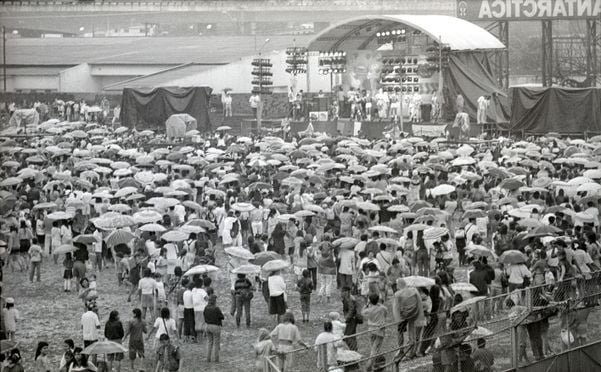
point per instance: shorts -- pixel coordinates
(136, 351)
(147, 300)
(116, 356)
(79, 269)
(305, 300)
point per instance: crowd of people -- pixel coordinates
(377, 232)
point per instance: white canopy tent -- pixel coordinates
(360, 33)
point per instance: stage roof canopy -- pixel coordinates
(360, 33)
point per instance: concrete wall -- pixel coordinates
(78, 80)
(125, 70)
(29, 83)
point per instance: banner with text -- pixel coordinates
(527, 10)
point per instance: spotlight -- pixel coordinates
(378, 34)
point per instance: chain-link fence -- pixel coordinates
(509, 330)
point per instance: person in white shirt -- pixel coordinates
(226, 100)
(254, 101)
(277, 295)
(147, 287)
(164, 324)
(188, 312)
(199, 300)
(90, 326)
(97, 249)
(332, 342)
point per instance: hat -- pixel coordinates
(10, 300)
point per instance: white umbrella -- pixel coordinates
(201, 269)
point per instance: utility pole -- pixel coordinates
(4, 56)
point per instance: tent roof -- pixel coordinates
(360, 33)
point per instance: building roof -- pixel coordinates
(360, 33)
(161, 78)
(212, 50)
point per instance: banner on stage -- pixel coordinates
(527, 10)
(429, 130)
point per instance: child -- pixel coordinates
(68, 274)
(92, 282)
(297, 244)
(394, 273)
(10, 316)
(305, 287)
(160, 291)
(338, 327)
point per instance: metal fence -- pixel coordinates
(518, 328)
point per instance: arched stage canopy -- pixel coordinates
(360, 33)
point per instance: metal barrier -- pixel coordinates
(552, 319)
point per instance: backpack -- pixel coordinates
(235, 229)
(171, 360)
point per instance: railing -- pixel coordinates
(447, 6)
(551, 318)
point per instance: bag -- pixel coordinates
(235, 229)
(172, 360)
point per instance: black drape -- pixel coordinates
(150, 108)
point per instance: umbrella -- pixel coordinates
(543, 230)
(512, 256)
(465, 304)
(435, 232)
(202, 223)
(247, 269)
(398, 208)
(384, 229)
(473, 213)
(65, 248)
(119, 237)
(388, 241)
(416, 227)
(104, 347)
(114, 222)
(463, 287)
(419, 281)
(367, 206)
(147, 216)
(275, 265)
(442, 190)
(191, 229)
(201, 269)
(511, 184)
(239, 252)
(262, 258)
(11, 181)
(60, 215)
(480, 251)
(46, 205)
(85, 239)
(479, 332)
(7, 345)
(175, 236)
(192, 205)
(346, 242)
(301, 214)
(243, 207)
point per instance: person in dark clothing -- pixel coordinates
(214, 320)
(276, 241)
(113, 331)
(352, 317)
(480, 278)
(244, 291)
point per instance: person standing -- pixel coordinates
(375, 313)
(10, 317)
(163, 325)
(277, 295)
(352, 317)
(41, 361)
(147, 287)
(407, 309)
(226, 100)
(25, 235)
(90, 326)
(214, 321)
(113, 331)
(35, 257)
(199, 300)
(254, 101)
(136, 328)
(168, 355)
(243, 292)
(286, 335)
